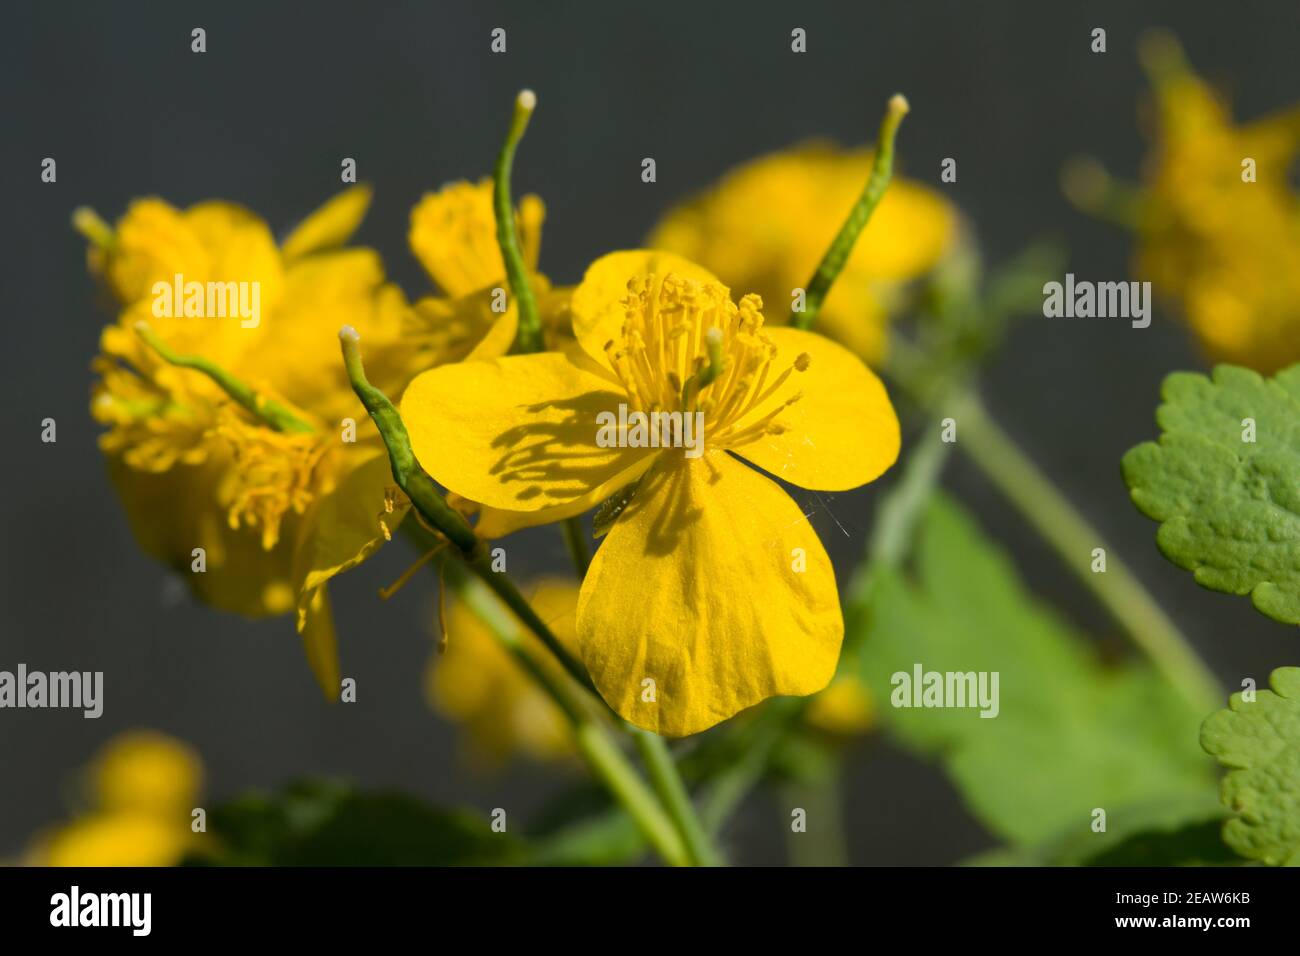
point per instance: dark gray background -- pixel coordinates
(113, 93)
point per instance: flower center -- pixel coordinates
(687, 347)
(274, 473)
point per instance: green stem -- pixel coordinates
(672, 792)
(822, 843)
(833, 262)
(266, 410)
(602, 756)
(87, 222)
(607, 762)
(424, 495)
(756, 742)
(575, 538)
(1061, 526)
(529, 336)
(1090, 188)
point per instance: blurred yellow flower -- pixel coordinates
(475, 680)
(844, 708)
(454, 235)
(195, 470)
(1218, 220)
(143, 787)
(711, 591)
(766, 225)
(147, 772)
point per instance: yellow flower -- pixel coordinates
(476, 681)
(144, 787)
(766, 225)
(116, 839)
(1227, 250)
(711, 591)
(147, 772)
(453, 234)
(196, 471)
(844, 708)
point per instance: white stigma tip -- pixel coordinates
(141, 325)
(898, 103)
(713, 336)
(527, 100)
(349, 334)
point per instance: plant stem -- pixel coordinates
(832, 263)
(607, 762)
(575, 537)
(426, 498)
(676, 800)
(761, 735)
(1061, 526)
(266, 410)
(823, 842)
(605, 759)
(529, 336)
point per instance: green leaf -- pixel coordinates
(1183, 832)
(324, 823)
(1229, 509)
(1259, 741)
(583, 826)
(1190, 844)
(1070, 735)
(609, 838)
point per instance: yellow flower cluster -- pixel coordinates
(245, 511)
(1217, 220)
(143, 790)
(710, 592)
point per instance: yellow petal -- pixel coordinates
(118, 839)
(324, 292)
(319, 640)
(696, 589)
(517, 433)
(331, 225)
(453, 234)
(147, 772)
(442, 330)
(841, 433)
(241, 576)
(341, 531)
(241, 249)
(153, 241)
(497, 523)
(858, 319)
(597, 304)
(498, 339)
